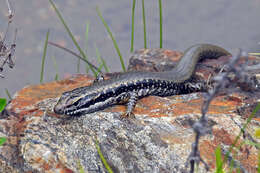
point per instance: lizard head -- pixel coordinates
(82, 100)
(75, 102)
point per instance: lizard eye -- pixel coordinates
(76, 103)
(85, 101)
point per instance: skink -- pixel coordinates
(131, 86)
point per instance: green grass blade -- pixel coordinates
(101, 65)
(219, 162)
(44, 55)
(86, 43)
(100, 68)
(105, 65)
(133, 26)
(254, 53)
(71, 35)
(161, 23)
(248, 142)
(113, 39)
(103, 158)
(257, 133)
(86, 48)
(231, 167)
(8, 94)
(144, 24)
(102, 61)
(2, 104)
(258, 169)
(56, 77)
(80, 167)
(56, 67)
(86, 36)
(2, 140)
(78, 66)
(257, 108)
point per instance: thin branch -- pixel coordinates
(223, 81)
(10, 11)
(7, 51)
(6, 32)
(75, 54)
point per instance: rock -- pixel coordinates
(159, 139)
(153, 60)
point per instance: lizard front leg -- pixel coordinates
(130, 105)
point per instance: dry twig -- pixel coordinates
(223, 81)
(7, 51)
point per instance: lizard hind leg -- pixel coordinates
(130, 106)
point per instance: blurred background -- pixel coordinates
(230, 24)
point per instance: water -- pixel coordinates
(230, 24)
